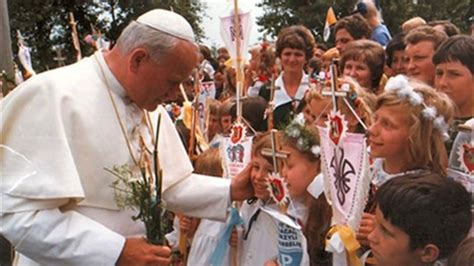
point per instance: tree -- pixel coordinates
(45, 23)
(312, 14)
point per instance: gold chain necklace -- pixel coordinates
(122, 126)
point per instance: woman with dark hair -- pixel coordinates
(364, 60)
(294, 48)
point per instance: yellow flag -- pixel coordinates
(330, 20)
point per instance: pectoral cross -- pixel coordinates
(59, 57)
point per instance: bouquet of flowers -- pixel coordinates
(143, 194)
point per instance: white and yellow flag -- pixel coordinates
(330, 20)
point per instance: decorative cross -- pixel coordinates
(343, 93)
(275, 152)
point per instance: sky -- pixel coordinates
(211, 23)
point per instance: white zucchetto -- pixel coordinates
(169, 22)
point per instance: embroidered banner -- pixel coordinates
(229, 32)
(345, 168)
(236, 150)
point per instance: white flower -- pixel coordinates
(316, 150)
(429, 112)
(415, 98)
(300, 119)
(293, 132)
(396, 83)
(301, 143)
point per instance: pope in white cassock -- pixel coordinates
(67, 125)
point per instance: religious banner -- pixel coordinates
(466, 157)
(236, 150)
(346, 175)
(345, 168)
(229, 32)
(290, 239)
(461, 159)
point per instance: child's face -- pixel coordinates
(320, 108)
(258, 176)
(360, 71)
(226, 123)
(388, 135)
(214, 125)
(390, 245)
(298, 172)
(457, 81)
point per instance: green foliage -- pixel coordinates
(312, 14)
(137, 194)
(45, 23)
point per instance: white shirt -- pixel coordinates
(281, 95)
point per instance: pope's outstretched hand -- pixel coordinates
(137, 251)
(241, 187)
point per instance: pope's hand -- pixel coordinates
(137, 251)
(241, 187)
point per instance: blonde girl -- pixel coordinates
(411, 123)
(407, 137)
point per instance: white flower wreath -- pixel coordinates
(304, 139)
(401, 85)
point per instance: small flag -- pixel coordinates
(330, 20)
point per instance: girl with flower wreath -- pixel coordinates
(407, 137)
(300, 170)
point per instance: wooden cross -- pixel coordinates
(194, 117)
(271, 103)
(75, 36)
(343, 93)
(275, 152)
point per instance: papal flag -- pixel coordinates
(330, 20)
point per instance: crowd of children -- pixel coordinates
(413, 98)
